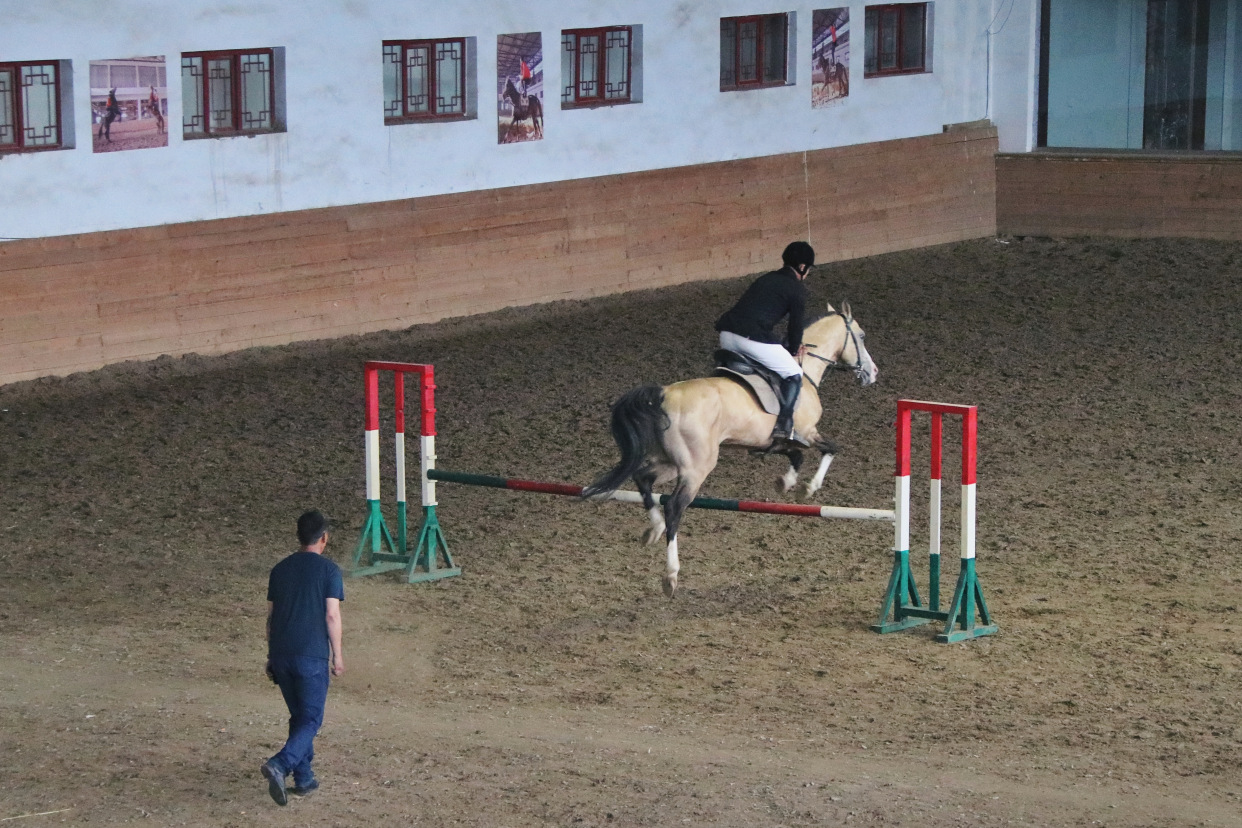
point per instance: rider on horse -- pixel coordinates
(749, 326)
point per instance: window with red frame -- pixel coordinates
(597, 66)
(30, 101)
(424, 80)
(230, 93)
(896, 39)
(754, 51)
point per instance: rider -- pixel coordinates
(749, 329)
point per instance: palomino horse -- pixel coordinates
(524, 106)
(674, 434)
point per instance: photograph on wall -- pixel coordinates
(129, 103)
(830, 56)
(519, 86)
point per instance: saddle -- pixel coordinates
(762, 382)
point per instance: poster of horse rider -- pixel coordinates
(519, 86)
(830, 56)
(129, 103)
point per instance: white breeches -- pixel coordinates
(772, 357)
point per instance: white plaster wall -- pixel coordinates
(337, 149)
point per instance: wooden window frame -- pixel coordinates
(574, 83)
(433, 112)
(873, 36)
(759, 82)
(235, 94)
(19, 144)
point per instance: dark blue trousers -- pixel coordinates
(303, 682)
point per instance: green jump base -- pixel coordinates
(966, 635)
(376, 569)
(898, 626)
(421, 563)
(901, 608)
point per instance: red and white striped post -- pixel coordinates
(901, 600)
(375, 534)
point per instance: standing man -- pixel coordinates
(748, 328)
(304, 594)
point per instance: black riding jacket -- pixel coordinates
(767, 301)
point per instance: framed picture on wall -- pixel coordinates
(129, 103)
(519, 87)
(830, 56)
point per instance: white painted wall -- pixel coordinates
(337, 149)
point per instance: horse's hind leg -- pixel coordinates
(674, 508)
(645, 483)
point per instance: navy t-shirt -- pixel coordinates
(298, 588)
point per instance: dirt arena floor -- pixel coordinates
(552, 683)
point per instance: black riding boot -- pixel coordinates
(790, 386)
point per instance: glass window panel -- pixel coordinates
(450, 63)
(39, 114)
(124, 76)
(99, 75)
(912, 20)
(888, 39)
(728, 53)
(418, 79)
(147, 76)
(392, 81)
(748, 52)
(617, 62)
(588, 66)
(8, 93)
(193, 121)
(256, 91)
(569, 49)
(220, 94)
(871, 50)
(774, 48)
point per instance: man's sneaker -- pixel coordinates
(275, 783)
(305, 790)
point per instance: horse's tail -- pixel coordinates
(638, 425)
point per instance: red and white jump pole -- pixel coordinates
(901, 600)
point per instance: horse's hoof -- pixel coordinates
(670, 585)
(650, 536)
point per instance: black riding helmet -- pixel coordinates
(799, 253)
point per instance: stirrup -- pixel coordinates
(792, 437)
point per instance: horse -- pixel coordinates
(834, 75)
(674, 433)
(112, 111)
(524, 106)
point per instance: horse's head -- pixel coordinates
(511, 90)
(838, 341)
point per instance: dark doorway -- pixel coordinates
(1175, 99)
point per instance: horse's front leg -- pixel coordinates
(829, 451)
(790, 478)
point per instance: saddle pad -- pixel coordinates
(763, 392)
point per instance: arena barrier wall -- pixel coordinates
(1123, 194)
(76, 303)
(901, 608)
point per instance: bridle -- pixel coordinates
(856, 368)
